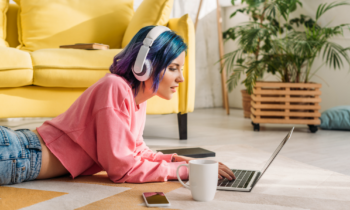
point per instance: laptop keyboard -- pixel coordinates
(242, 180)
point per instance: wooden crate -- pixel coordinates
(287, 103)
(246, 103)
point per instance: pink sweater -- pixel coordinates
(102, 130)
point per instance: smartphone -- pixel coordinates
(154, 199)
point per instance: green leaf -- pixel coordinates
(240, 61)
(288, 27)
(239, 10)
(234, 78)
(333, 52)
(323, 8)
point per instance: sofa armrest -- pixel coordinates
(185, 28)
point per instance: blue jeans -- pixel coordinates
(20, 155)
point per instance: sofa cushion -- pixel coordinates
(150, 12)
(71, 68)
(16, 68)
(11, 25)
(49, 24)
(4, 4)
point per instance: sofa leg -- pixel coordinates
(182, 122)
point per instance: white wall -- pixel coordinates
(335, 84)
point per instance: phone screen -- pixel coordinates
(156, 198)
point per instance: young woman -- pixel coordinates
(102, 130)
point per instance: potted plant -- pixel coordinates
(272, 42)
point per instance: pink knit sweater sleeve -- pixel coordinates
(116, 147)
(148, 154)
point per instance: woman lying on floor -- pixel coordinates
(102, 129)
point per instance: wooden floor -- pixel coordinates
(325, 149)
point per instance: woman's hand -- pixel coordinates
(178, 158)
(224, 171)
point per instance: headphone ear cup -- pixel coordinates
(146, 71)
(147, 67)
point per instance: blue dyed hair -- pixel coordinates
(167, 47)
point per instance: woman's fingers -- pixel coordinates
(224, 174)
(227, 171)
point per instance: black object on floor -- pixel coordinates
(182, 122)
(195, 152)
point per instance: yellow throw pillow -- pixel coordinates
(51, 23)
(184, 27)
(11, 27)
(150, 12)
(4, 5)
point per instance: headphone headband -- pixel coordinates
(141, 56)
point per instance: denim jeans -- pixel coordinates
(20, 155)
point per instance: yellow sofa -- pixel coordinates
(41, 80)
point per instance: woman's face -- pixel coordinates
(172, 77)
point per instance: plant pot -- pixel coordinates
(286, 103)
(246, 100)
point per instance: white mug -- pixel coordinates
(203, 176)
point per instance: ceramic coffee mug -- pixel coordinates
(203, 178)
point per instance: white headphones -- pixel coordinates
(142, 68)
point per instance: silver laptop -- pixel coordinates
(247, 179)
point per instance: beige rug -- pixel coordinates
(287, 185)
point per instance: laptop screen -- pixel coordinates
(268, 163)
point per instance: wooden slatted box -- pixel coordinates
(287, 103)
